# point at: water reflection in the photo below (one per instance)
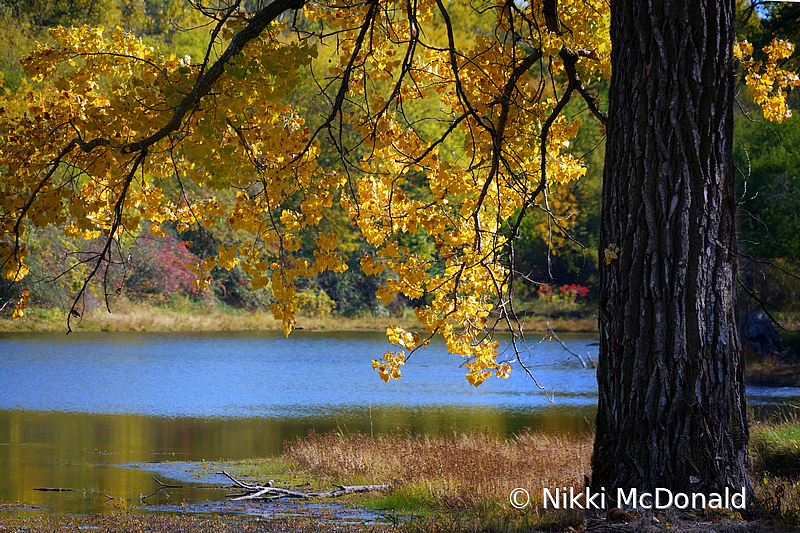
(83, 451)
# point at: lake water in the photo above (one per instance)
(94, 412)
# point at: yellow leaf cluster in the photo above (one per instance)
(767, 81)
(389, 365)
(22, 303)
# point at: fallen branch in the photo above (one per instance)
(160, 490)
(256, 492)
(165, 486)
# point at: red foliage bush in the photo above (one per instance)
(574, 291)
(160, 266)
(566, 293)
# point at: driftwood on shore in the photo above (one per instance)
(254, 491)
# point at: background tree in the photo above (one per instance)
(769, 213)
(170, 23)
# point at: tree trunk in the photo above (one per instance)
(671, 410)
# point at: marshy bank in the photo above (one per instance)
(444, 482)
(468, 477)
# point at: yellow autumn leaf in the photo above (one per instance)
(611, 253)
(22, 303)
(228, 256)
(327, 241)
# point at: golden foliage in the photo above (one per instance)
(767, 81)
(108, 121)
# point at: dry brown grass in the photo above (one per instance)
(779, 498)
(128, 316)
(143, 318)
(197, 316)
(460, 471)
(538, 324)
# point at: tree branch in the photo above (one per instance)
(207, 81)
(257, 492)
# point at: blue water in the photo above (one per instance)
(263, 374)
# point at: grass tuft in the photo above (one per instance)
(775, 454)
(444, 481)
(457, 471)
(775, 446)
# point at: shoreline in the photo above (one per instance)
(142, 317)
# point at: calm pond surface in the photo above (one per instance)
(97, 412)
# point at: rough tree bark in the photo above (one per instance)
(671, 409)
